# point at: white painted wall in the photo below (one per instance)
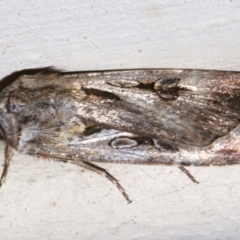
(49, 200)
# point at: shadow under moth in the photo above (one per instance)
(149, 116)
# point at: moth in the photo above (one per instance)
(148, 116)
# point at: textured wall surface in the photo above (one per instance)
(49, 200)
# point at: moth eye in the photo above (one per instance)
(123, 142)
(167, 88)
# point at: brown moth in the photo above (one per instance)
(150, 116)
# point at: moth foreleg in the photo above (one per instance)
(104, 173)
(188, 174)
(7, 159)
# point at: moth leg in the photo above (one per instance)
(188, 174)
(7, 159)
(104, 173)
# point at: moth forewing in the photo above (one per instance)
(150, 116)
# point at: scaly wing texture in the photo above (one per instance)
(123, 115)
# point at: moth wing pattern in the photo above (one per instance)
(151, 116)
(83, 104)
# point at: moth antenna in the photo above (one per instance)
(183, 169)
(7, 159)
(104, 173)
